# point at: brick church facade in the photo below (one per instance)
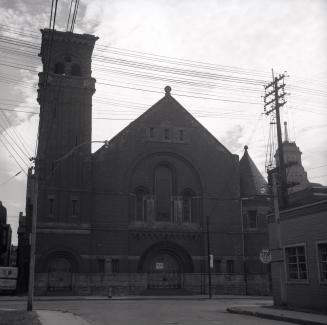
(132, 216)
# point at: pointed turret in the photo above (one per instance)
(252, 182)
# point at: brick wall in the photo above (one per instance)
(98, 284)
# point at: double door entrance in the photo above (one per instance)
(164, 272)
(60, 275)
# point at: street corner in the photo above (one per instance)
(55, 317)
(284, 315)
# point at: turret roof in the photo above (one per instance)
(252, 183)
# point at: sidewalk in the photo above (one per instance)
(270, 312)
(49, 317)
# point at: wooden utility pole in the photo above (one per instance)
(274, 99)
(279, 249)
(32, 243)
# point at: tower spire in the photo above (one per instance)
(286, 132)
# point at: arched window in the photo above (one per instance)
(76, 70)
(59, 68)
(163, 192)
(188, 205)
(140, 204)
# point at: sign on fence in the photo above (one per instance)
(265, 256)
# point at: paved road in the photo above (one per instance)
(153, 312)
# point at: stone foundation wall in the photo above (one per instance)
(221, 284)
(98, 284)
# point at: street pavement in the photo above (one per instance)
(147, 311)
(144, 310)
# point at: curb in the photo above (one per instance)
(122, 298)
(235, 310)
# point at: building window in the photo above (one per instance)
(166, 134)
(230, 266)
(296, 263)
(141, 205)
(187, 206)
(115, 265)
(252, 219)
(76, 70)
(101, 265)
(52, 168)
(163, 191)
(181, 135)
(59, 68)
(217, 266)
(151, 132)
(322, 259)
(51, 206)
(74, 208)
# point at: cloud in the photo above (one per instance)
(232, 138)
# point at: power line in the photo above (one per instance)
(23, 147)
(11, 155)
(10, 178)
(317, 167)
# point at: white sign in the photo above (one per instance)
(159, 266)
(211, 261)
(8, 272)
(265, 256)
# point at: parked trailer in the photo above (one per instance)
(8, 279)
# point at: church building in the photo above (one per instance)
(137, 214)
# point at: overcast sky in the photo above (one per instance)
(239, 39)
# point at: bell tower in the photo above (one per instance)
(66, 87)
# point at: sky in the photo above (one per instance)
(215, 54)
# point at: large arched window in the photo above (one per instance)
(163, 192)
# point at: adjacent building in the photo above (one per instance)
(298, 239)
(299, 266)
(5, 237)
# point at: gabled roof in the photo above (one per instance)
(168, 108)
(252, 183)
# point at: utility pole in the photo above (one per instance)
(279, 249)
(274, 99)
(209, 258)
(32, 242)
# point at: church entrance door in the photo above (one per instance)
(60, 275)
(164, 272)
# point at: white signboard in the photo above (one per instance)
(211, 261)
(8, 272)
(265, 256)
(159, 266)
